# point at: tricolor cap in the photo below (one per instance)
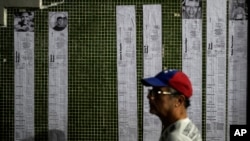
(173, 78)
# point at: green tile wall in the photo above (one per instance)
(92, 108)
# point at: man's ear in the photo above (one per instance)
(180, 100)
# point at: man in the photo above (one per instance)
(60, 23)
(26, 23)
(169, 99)
(191, 9)
(238, 10)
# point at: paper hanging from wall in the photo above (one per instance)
(237, 63)
(24, 75)
(216, 71)
(152, 64)
(58, 75)
(192, 56)
(126, 73)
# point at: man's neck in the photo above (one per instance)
(170, 119)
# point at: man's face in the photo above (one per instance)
(191, 7)
(60, 22)
(160, 104)
(25, 18)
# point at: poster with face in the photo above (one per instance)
(58, 21)
(24, 22)
(58, 76)
(192, 54)
(191, 9)
(24, 75)
(237, 63)
(238, 9)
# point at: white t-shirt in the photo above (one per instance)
(181, 130)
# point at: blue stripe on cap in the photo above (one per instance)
(152, 81)
(166, 75)
(160, 80)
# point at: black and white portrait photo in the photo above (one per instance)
(191, 9)
(24, 22)
(238, 10)
(58, 22)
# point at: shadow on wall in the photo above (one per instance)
(54, 135)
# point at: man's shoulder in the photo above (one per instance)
(185, 130)
(177, 137)
(181, 137)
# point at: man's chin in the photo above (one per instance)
(153, 111)
(191, 16)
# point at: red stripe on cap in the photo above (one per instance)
(182, 84)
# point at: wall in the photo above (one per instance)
(92, 109)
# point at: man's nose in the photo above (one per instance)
(192, 9)
(150, 97)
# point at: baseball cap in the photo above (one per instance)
(173, 78)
